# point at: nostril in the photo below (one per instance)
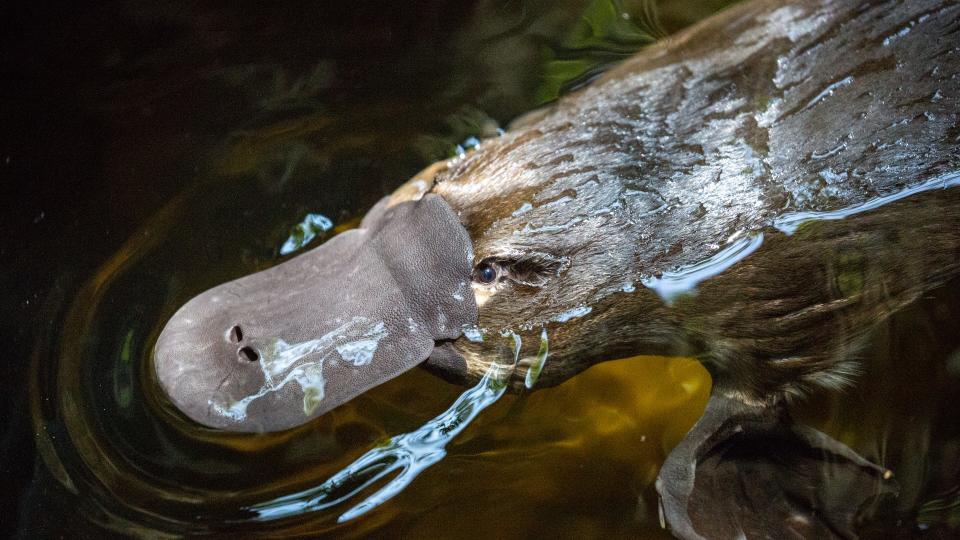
(249, 354)
(235, 334)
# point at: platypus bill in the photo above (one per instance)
(759, 191)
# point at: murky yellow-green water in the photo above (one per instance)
(179, 146)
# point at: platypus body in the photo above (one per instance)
(757, 191)
(765, 112)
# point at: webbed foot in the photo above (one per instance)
(748, 471)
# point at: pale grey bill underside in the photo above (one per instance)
(275, 349)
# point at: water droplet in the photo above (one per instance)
(574, 313)
(671, 285)
(536, 367)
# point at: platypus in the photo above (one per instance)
(758, 192)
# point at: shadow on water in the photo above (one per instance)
(165, 149)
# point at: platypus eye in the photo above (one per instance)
(527, 269)
(486, 272)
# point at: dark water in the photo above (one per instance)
(152, 151)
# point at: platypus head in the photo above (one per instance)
(274, 349)
(533, 235)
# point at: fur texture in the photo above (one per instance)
(760, 112)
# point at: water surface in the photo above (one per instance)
(157, 150)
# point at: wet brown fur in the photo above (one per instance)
(761, 111)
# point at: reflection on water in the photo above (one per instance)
(214, 147)
(682, 281)
(410, 453)
(789, 224)
(540, 360)
(305, 231)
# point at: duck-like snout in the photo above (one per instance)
(275, 349)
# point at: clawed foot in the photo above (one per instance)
(751, 472)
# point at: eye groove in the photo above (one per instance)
(532, 269)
